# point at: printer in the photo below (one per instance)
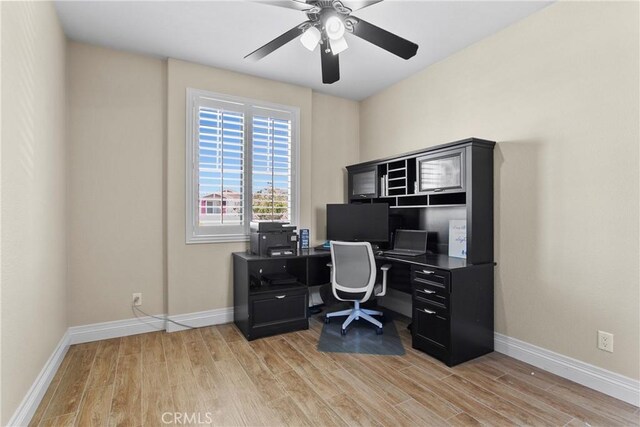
(272, 239)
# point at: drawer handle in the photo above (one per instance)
(428, 271)
(427, 291)
(429, 311)
(280, 296)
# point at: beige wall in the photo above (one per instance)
(335, 145)
(115, 201)
(33, 180)
(559, 93)
(117, 106)
(199, 275)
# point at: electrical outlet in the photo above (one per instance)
(137, 299)
(605, 341)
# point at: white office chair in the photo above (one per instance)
(353, 278)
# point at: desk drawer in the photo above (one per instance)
(430, 293)
(432, 276)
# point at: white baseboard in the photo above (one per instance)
(141, 325)
(602, 380)
(115, 329)
(23, 414)
(201, 318)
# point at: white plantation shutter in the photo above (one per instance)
(241, 162)
(220, 167)
(272, 166)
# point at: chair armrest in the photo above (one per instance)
(385, 269)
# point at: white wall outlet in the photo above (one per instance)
(137, 298)
(605, 341)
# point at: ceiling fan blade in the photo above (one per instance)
(384, 39)
(289, 4)
(276, 43)
(330, 65)
(359, 4)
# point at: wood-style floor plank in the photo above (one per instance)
(559, 403)
(95, 407)
(66, 420)
(230, 333)
(258, 373)
(130, 345)
(351, 411)
(205, 372)
(68, 395)
(156, 393)
(224, 411)
(214, 376)
(104, 366)
(314, 407)
(463, 420)
(419, 415)
(504, 407)
(383, 412)
(534, 406)
(126, 404)
(271, 359)
(152, 349)
(216, 344)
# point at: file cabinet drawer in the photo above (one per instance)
(277, 308)
(430, 329)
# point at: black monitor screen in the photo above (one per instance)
(358, 222)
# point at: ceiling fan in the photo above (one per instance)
(327, 23)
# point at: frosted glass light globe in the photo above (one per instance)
(334, 28)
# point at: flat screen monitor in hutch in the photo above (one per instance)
(358, 222)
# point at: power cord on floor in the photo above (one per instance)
(134, 308)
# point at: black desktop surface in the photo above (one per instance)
(429, 260)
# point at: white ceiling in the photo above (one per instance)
(221, 33)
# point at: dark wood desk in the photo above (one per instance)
(452, 300)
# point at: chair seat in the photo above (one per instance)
(377, 289)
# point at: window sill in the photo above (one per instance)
(223, 238)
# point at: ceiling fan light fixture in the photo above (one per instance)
(334, 27)
(310, 38)
(338, 46)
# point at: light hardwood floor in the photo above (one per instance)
(215, 376)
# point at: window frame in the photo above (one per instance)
(195, 233)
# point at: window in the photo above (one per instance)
(241, 165)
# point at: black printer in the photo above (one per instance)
(273, 239)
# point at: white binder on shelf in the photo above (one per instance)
(458, 238)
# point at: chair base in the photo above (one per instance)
(356, 313)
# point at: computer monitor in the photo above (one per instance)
(358, 222)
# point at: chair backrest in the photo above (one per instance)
(354, 270)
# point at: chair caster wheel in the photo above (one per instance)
(379, 331)
(343, 332)
(327, 319)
